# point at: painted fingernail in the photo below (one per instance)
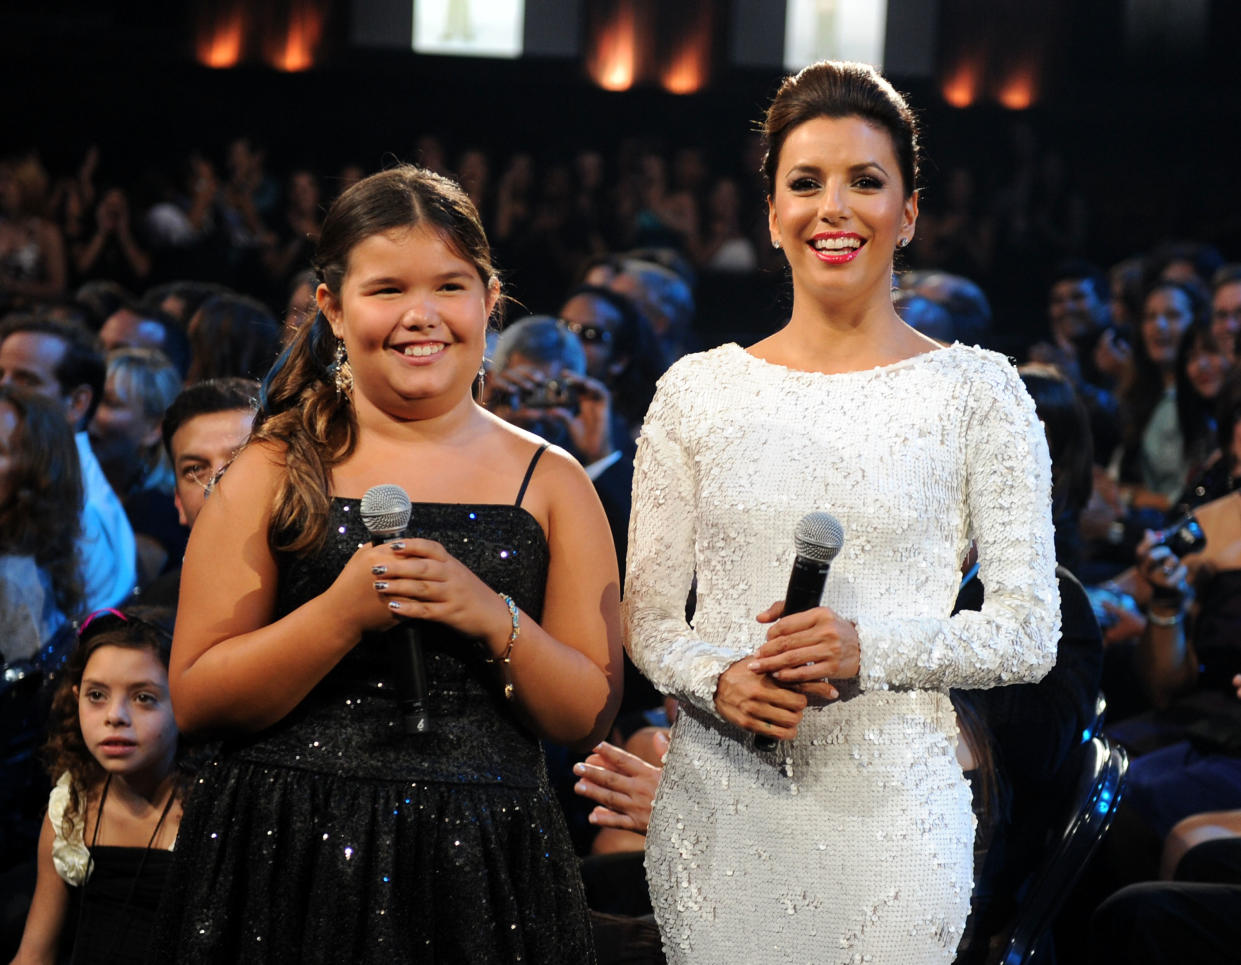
(753, 666)
(378, 570)
(394, 604)
(397, 546)
(579, 768)
(381, 584)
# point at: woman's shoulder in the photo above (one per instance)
(989, 376)
(706, 363)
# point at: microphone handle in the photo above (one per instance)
(805, 592)
(411, 672)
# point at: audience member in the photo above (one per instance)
(1226, 307)
(32, 248)
(64, 363)
(125, 435)
(135, 326)
(202, 431)
(232, 335)
(40, 505)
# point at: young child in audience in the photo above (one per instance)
(113, 815)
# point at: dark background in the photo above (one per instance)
(1144, 112)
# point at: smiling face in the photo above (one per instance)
(1165, 316)
(126, 714)
(839, 207)
(413, 315)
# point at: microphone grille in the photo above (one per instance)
(385, 509)
(818, 537)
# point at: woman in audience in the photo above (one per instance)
(40, 501)
(1156, 466)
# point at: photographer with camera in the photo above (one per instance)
(537, 380)
(1176, 678)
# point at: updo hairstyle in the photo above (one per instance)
(841, 89)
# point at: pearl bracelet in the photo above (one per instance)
(507, 657)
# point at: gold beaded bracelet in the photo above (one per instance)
(507, 657)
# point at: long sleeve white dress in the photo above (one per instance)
(853, 842)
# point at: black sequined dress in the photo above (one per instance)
(334, 837)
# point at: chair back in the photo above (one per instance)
(1100, 785)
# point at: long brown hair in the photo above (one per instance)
(301, 410)
(40, 517)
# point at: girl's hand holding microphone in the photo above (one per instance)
(418, 579)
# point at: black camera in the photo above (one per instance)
(1183, 537)
(550, 394)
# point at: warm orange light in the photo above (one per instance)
(686, 71)
(614, 62)
(219, 43)
(1018, 92)
(302, 37)
(961, 89)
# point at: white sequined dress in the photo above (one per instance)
(852, 843)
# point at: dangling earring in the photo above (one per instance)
(339, 370)
(482, 381)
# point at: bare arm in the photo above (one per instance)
(567, 672)
(232, 667)
(48, 907)
(1165, 657)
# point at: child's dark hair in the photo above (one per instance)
(137, 628)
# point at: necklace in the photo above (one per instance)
(103, 797)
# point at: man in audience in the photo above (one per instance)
(64, 362)
(203, 429)
(131, 326)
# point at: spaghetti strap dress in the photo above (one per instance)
(333, 836)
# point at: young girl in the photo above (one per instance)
(323, 832)
(113, 815)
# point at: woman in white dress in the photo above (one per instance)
(852, 841)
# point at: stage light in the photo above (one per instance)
(613, 62)
(1018, 92)
(296, 50)
(219, 40)
(961, 89)
(686, 70)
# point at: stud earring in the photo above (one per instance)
(776, 245)
(339, 370)
(902, 243)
